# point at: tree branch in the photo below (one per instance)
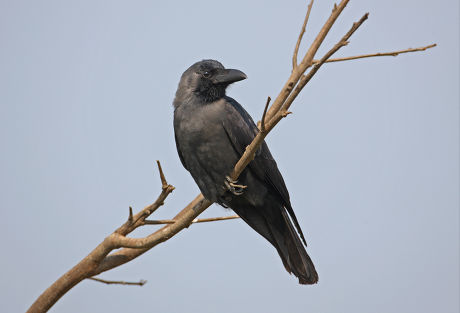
(197, 220)
(299, 40)
(182, 220)
(306, 61)
(119, 282)
(379, 54)
(261, 125)
(93, 260)
(137, 220)
(306, 78)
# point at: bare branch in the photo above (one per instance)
(138, 219)
(213, 219)
(121, 241)
(85, 268)
(262, 121)
(197, 220)
(158, 222)
(119, 282)
(379, 54)
(130, 216)
(306, 61)
(302, 32)
(164, 183)
(183, 220)
(306, 78)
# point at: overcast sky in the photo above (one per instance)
(370, 155)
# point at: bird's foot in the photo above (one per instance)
(232, 186)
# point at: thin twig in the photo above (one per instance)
(164, 183)
(130, 217)
(197, 220)
(299, 40)
(213, 219)
(158, 222)
(262, 121)
(119, 282)
(379, 54)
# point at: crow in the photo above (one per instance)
(212, 131)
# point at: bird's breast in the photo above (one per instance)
(202, 137)
(201, 124)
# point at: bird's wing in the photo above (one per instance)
(181, 157)
(241, 130)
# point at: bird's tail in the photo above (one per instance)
(274, 224)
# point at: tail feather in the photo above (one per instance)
(274, 224)
(301, 264)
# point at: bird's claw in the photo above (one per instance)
(232, 186)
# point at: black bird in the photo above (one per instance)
(212, 131)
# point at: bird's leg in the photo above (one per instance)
(232, 186)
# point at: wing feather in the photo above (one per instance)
(263, 165)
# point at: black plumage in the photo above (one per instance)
(212, 131)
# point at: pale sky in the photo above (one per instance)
(370, 155)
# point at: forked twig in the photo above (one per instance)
(305, 63)
(302, 32)
(306, 78)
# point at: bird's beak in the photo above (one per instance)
(228, 76)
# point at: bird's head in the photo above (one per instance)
(207, 80)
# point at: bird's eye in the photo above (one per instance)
(206, 74)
